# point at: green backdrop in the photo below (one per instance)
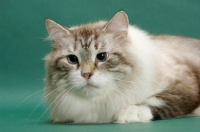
(22, 47)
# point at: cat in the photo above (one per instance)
(114, 72)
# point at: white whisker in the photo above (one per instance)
(117, 90)
(27, 98)
(68, 90)
(49, 106)
(127, 87)
(41, 102)
(123, 80)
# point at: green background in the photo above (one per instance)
(22, 47)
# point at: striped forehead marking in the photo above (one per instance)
(85, 38)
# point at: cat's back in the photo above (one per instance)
(178, 61)
(176, 42)
(178, 58)
(177, 47)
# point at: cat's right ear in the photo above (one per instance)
(55, 30)
(118, 24)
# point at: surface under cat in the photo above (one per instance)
(115, 72)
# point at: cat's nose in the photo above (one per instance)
(87, 75)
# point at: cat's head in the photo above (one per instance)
(91, 59)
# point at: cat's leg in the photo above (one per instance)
(139, 113)
(134, 113)
(174, 104)
(168, 104)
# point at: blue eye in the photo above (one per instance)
(102, 56)
(72, 59)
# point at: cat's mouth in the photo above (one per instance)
(89, 86)
(89, 90)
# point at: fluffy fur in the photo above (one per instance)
(143, 78)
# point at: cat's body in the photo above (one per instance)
(114, 72)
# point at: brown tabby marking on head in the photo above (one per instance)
(84, 39)
(86, 34)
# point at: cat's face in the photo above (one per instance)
(88, 60)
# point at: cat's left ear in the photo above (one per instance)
(118, 24)
(55, 30)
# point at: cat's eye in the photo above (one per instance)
(102, 56)
(72, 59)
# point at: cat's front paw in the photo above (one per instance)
(134, 113)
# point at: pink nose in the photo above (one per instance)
(87, 75)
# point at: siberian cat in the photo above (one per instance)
(114, 72)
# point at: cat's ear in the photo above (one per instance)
(55, 30)
(118, 24)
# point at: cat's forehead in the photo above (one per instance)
(87, 36)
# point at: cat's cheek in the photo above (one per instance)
(100, 80)
(80, 83)
(77, 80)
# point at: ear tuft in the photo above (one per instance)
(55, 30)
(118, 24)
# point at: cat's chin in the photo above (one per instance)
(89, 90)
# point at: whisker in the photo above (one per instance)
(41, 102)
(49, 107)
(44, 99)
(123, 80)
(125, 86)
(120, 93)
(27, 98)
(68, 90)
